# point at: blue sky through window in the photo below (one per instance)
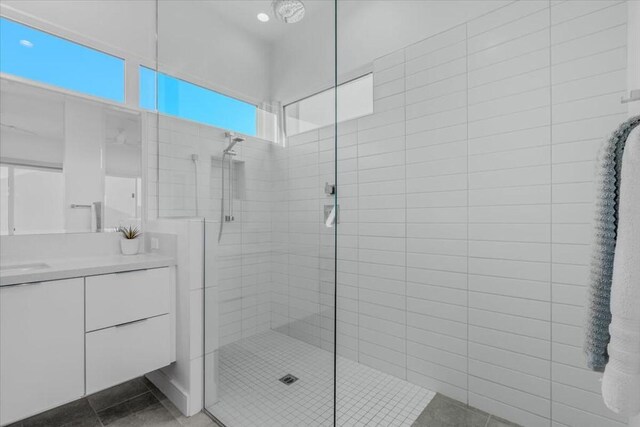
(39, 56)
(189, 101)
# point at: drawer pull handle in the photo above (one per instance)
(130, 323)
(15, 285)
(130, 271)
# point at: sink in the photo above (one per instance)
(23, 268)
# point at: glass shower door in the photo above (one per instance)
(261, 187)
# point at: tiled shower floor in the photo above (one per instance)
(251, 395)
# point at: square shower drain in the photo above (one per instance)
(288, 379)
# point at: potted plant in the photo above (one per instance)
(130, 243)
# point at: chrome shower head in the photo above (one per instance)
(233, 140)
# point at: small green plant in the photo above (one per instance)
(130, 232)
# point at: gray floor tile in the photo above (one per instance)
(198, 420)
(500, 422)
(78, 413)
(127, 408)
(87, 422)
(153, 389)
(153, 416)
(118, 394)
(446, 412)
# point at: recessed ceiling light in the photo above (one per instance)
(263, 17)
(26, 43)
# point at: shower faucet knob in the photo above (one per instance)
(329, 189)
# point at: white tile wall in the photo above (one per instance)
(466, 209)
(592, 35)
(242, 258)
(465, 213)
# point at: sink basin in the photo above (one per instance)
(23, 268)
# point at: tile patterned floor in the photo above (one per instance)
(251, 395)
(137, 403)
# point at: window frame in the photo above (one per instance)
(333, 88)
(199, 86)
(80, 41)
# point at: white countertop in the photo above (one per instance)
(57, 269)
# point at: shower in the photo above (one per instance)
(233, 140)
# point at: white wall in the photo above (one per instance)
(195, 43)
(633, 80)
(466, 209)
(633, 74)
(366, 30)
(83, 162)
(182, 382)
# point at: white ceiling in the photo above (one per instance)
(243, 15)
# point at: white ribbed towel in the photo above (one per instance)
(621, 380)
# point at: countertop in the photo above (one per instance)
(57, 269)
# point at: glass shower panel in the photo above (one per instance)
(224, 157)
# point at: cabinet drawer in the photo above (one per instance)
(120, 353)
(118, 298)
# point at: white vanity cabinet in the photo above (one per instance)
(128, 325)
(41, 346)
(63, 339)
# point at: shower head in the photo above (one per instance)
(288, 11)
(233, 140)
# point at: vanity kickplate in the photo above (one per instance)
(288, 379)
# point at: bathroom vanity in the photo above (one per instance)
(74, 327)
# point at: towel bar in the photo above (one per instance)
(634, 95)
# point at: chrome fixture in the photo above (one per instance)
(330, 215)
(634, 95)
(289, 11)
(96, 214)
(329, 189)
(195, 158)
(228, 217)
(233, 140)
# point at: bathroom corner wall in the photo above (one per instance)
(463, 246)
(633, 49)
(237, 275)
(182, 382)
(243, 255)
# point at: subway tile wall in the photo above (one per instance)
(463, 243)
(242, 257)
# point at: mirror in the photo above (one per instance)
(67, 163)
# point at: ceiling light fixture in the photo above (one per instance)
(263, 17)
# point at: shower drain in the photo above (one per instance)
(288, 379)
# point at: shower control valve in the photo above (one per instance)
(329, 189)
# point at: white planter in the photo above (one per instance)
(129, 246)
